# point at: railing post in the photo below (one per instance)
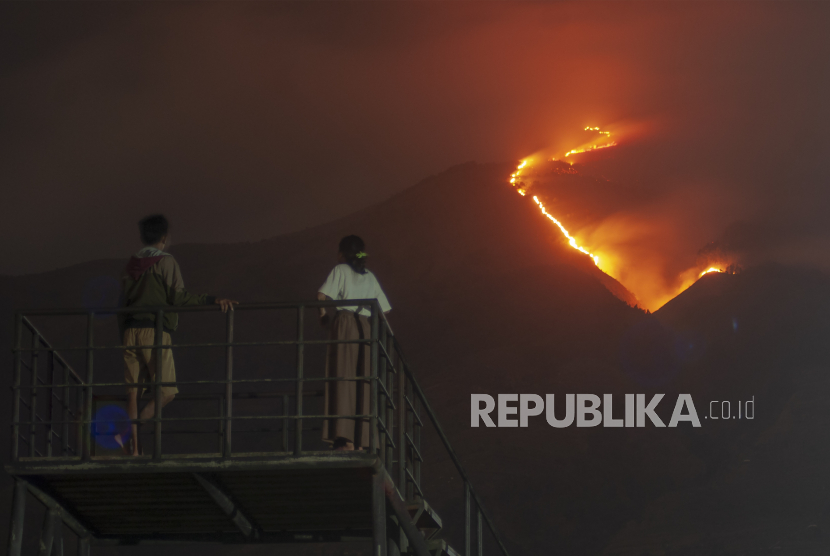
(286, 423)
(87, 407)
(18, 364)
(33, 395)
(65, 412)
(373, 387)
(416, 439)
(158, 340)
(221, 435)
(50, 377)
(468, 550)
(227, 448)
(390, 412)
(298, 427)
(381, 407)
(402, 431)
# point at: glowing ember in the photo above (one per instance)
(712, 269)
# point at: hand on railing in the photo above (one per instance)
(226, 304)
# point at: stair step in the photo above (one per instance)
(425, 518)
(439, 547)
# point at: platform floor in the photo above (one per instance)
(313, 497)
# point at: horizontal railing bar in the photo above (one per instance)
(310, 304)
(149, 385)
(217, 418)
(217, 396)
(201, 345)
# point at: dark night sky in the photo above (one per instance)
(242, 121)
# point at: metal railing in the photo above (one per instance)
(398, 412)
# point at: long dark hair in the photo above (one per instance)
(351, 247)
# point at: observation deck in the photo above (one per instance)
(238, 456)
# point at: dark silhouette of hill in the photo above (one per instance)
(761, 334)
(487, 298)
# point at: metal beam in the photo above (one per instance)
(231, 510)
(66, 517)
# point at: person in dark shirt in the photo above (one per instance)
(152, 278)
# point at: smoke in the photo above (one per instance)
(243, 121)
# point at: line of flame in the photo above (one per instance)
(711, 269)
(571, 239)
(594, 148)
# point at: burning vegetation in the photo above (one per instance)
(538, 172)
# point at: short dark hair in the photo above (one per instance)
(152, 228)
(350, 247)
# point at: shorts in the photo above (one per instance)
(140, 363)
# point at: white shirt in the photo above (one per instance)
(344, 283)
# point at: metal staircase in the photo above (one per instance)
(251, 468)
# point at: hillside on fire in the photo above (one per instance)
(488, 297)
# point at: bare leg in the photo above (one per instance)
(149, 412)
(132, 413)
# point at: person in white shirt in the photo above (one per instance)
(350, 279)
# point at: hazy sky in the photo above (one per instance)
(242, 121)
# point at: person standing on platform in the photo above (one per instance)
(152, 278)
(350, 279)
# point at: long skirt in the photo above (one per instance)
(346, 397)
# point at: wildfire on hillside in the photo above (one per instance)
(523, 179)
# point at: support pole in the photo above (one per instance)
(468, 549)
(47, 534)
(480, 541)
(58, 546)
(378, 515)
(83, 546)
(18, 513)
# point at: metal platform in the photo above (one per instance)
(216, 493)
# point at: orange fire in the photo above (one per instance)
(571, 239)
(684, 280)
